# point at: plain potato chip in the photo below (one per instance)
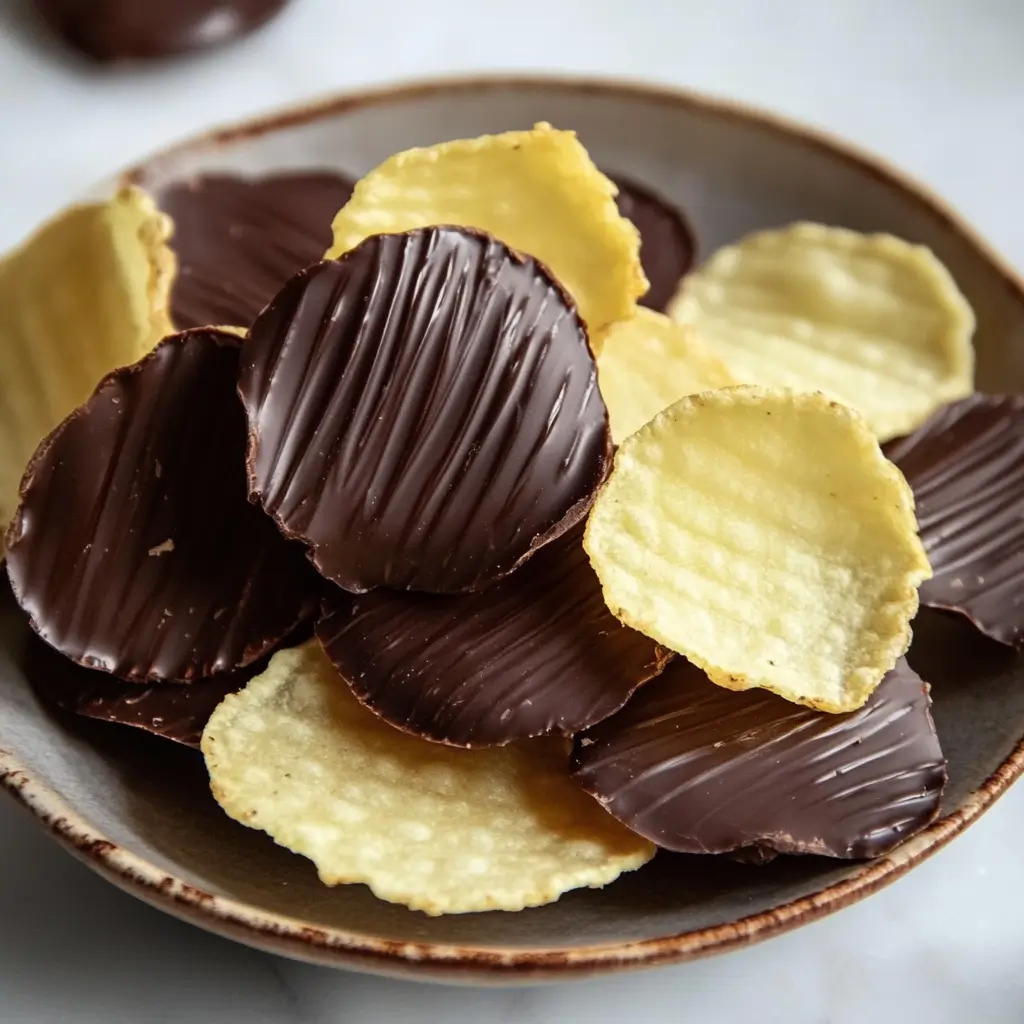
(537, 191)
(763, 534)
(86, 294)
(870, 320)
(646, 363)
(436, 828)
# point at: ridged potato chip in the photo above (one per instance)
(646, 363)
(763, 534)
(86, 294)
(870, 320)
(439, 829)
(537, 191)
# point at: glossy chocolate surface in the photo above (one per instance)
(423, 412)
(239, 240)
(534, 654)
(135, 549)
(700, 769)
(966, 469)
(170, 710)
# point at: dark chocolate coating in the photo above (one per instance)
(116, 30)
(537, 653)
(135, 549)
(169, 710)
(966, 469)
(701, 769)
(239, 240)
(667, 244)
(423, 412)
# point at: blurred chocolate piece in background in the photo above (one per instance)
(117, 30)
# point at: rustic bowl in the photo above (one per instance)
(139, 812)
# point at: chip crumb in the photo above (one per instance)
(163, 548)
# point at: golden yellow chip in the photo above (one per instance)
(86, 294)
(646, 363)
(870, 320)
(436, 828)
(763, 534)
(537, 191)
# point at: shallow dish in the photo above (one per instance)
(139, 812)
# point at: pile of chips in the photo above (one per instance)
(558, 569)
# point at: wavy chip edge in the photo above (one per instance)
(914, 261)
(577, 192)
(891, 621)
(300, 693)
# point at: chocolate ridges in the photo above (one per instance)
(966, 469)
(667, 244)
(239, 240)
(424, 412)
(169, 710)
(135, 549)
(537, 653)
(115, 30)
(700, 769)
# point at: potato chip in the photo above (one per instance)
(870, 320)
(439, 829)
(86, 294)
(763, 534)
(646, 363)
(537, 191)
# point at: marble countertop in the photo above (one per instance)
(937, 86)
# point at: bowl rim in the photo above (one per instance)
(337, 946)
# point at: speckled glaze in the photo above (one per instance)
(139, 812)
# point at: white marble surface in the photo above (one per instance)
(938, 86)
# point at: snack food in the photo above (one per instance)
(870, 320)
(667, 243)
(134, 548)
(238, 240)
(171, 711)
(966, 469)
(647, 363)
(537, 191)
(116, 30)
(440, 830)
(763, 534)
(86, 293)
(536, 653)
(698, 769)
(423, 412)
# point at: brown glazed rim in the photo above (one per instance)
(337, 947)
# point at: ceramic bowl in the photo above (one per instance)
(138, 810)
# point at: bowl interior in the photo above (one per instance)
(731, 174)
